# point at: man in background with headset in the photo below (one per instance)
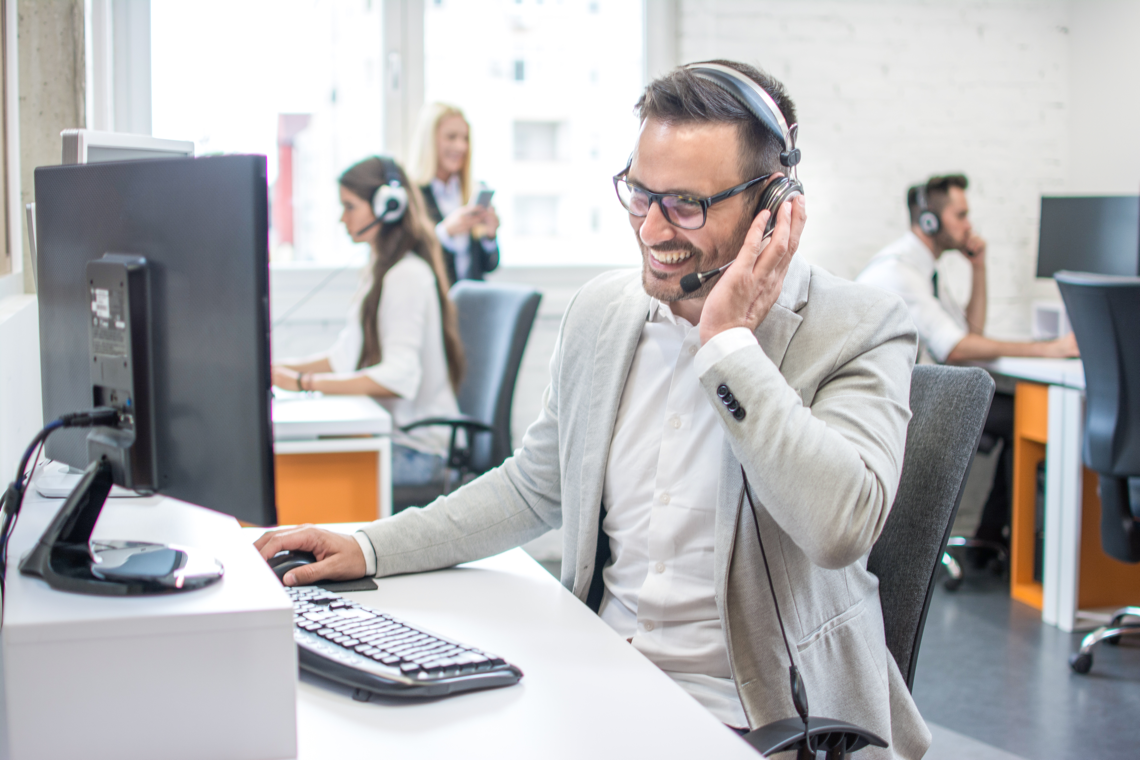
(949, 333)
(665, 390)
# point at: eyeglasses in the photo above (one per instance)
(682, 211)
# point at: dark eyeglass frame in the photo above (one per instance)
(659, 197)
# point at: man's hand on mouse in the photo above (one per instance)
(338, 556)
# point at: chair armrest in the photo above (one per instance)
(470, 424)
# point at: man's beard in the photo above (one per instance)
(655, 283)
(946, 242)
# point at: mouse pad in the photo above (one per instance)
(339, 587)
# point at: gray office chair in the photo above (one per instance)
(1104, 311)
(948, 407)
(494, 324)
(948, 411)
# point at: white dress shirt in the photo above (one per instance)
(906, 267)
(449, 197)
(413, 364)
(660, 495)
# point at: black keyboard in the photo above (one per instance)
(377, 654)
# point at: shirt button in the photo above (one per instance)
(692, 350)
(660, 567)
(649, 625)
(675, 422)
(664, 498)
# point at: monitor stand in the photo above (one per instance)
(69, 560)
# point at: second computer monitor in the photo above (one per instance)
(1098, 234)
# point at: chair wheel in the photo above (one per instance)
(996, 567)
(1080, 663)
(951, 583)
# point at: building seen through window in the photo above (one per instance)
(549, 88)
(297, 80)
(547, 85)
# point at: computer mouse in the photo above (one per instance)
(283, 562)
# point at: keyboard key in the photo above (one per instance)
(408, 668)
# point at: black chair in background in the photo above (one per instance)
(494, 324)
(1104, 311)
(948, 411)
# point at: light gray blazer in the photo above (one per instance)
(826, 395)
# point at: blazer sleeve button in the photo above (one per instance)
(722, 390)
(728, 399)
(738, 414)
(733, 406)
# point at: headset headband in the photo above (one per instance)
(758, 102)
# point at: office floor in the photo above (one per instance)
(990, 670)
(994, 683)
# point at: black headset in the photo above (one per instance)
(928, 221)
(761, 105)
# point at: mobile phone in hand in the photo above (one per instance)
(483, 200)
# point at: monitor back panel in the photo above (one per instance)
(202, 225)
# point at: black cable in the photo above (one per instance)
(799, 691)
(13, 499)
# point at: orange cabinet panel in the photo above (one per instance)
(327, 487)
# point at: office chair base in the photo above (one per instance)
(956, 572)
(836, 737)
(1081, 661)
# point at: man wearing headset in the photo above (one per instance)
(663, 395)
(949, 333)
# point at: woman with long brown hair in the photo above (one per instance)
(401, 342)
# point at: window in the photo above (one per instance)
(536, 140)
(296, 80)
(549, 89)
(536, 215)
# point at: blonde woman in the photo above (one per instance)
(465, 230)
(401, 344)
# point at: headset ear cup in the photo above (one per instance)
(929, 222)
(389, 203)
(776, 194)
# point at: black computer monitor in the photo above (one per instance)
(200, 228)
(1099, 234)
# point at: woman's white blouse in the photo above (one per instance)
(413, 364)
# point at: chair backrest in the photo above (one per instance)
(494, 324)
(948, 411)
(1104, 311)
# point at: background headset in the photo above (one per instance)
(928, 221)
(390, 200)
(761, 105)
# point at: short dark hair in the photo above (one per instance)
(682, 97)
(937, 194)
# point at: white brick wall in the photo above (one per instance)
(891, 92)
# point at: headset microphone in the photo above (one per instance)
(393, 205)
(695, 280)
(367, 227)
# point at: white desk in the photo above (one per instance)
(201, 674)
(585, 693)
(1063, 479)
(308, 423)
